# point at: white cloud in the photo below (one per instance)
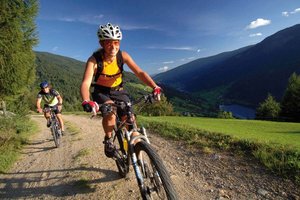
(173, 48)
(87, 19)
(168, 62)
(98, 19)
(255, 34)
(67, 19)
(180, 48)
(136, 27)
(297, 10)
(285, 14)
(257, 23)
(163, 69)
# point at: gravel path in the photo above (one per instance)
(80, 170)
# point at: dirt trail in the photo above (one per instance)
(80, 170)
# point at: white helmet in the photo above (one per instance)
(109, 32)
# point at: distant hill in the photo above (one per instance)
(65, 74)
(243, 76)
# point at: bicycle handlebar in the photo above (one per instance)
(148, 98)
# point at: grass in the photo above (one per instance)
(81, 153)
(73, 130)
(14, 132)
(274, 144)
(280, 133)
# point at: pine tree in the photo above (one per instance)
(290, 104)
(17, 59)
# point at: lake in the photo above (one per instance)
(239, 111)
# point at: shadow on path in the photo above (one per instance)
(33, 186)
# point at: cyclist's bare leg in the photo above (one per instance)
(47, 114)
(61, 122)
(135, 133)
(108, 122)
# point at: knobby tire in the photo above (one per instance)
(55, 134)
(159, 167)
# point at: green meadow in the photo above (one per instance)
(275, 144)
(281, 133)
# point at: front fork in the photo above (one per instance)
(134, 159)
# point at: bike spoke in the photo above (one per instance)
(156, 180)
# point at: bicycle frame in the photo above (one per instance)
(133, 148)
(128, 136)
(55, 127)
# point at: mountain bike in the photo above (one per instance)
(55, 128)
(133, 148)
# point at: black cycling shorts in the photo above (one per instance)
(103, 95)
(55, 108)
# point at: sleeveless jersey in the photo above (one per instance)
(111, 75)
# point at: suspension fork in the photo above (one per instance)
(134, 159)
(137, 170)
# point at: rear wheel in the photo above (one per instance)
(157, 182)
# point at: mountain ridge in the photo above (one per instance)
(245, 75)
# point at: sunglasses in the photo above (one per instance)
(111, 42)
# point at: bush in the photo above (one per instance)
(225, 115)
(161, 108)
(269, 109)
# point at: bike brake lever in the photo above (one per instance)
(149, 99)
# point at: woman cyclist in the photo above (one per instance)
(106, 65)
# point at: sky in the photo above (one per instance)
(161, 34)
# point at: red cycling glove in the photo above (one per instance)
(90, 106)
(156, 93)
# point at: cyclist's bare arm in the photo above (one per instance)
(90, 67)
(143, 76)
(60, 100)
(38, 105)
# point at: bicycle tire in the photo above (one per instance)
(121, 157)
(158, 183)
(55, 133)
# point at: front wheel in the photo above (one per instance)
(56, 133)
(157, 182)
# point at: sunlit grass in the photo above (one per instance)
(282, 133)
(14, 132)
(274, 144)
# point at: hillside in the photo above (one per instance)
(65, 74)
(243, 76)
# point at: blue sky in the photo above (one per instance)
(162, 34)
